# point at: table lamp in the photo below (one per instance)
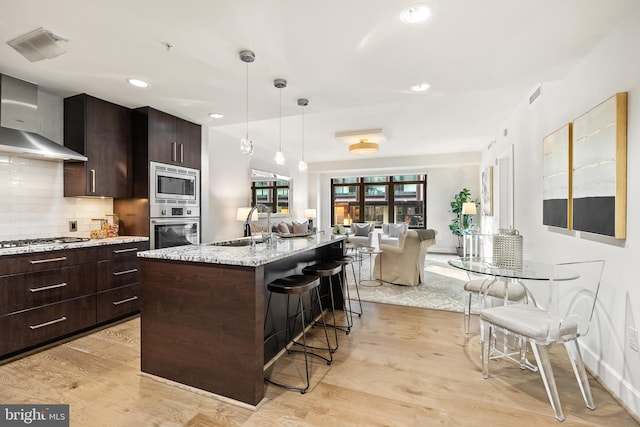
(310, 214)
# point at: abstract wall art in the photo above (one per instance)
(556, 178)
(599, 155)
(487, 191)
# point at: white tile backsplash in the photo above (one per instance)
(34, 205)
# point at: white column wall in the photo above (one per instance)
(611, 67)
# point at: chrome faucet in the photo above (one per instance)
(247, 225)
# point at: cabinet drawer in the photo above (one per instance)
(38, 261)
(118, 272)
(118, 302)
(121, 250)
(25, 291)
(37, 326)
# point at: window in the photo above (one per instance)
(273, 194)
(380, 199)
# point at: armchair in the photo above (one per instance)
(404, 264)
(361, 233)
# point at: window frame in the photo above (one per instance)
(363, 181)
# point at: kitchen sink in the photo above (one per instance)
(236, 242)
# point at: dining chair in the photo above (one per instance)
(480, 246)
(561, 314)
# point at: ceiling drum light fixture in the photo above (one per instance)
(246, 145)
(421, 87)
(416, 13)
(363, 147)
(216, 115)
(280, 84)
(302, 165)
(138, 83)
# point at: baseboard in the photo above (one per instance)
(623, 391)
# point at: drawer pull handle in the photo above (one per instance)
(125, 300)
(46, 288)
(51, 322)
(120, 273)
(41, 261)
(121, 251)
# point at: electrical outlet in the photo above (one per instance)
(73, 225)
(633, 338)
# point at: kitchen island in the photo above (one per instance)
(203, 308)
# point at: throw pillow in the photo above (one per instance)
(396, 230)
(361, 229)
(283, 228)
(300, 227)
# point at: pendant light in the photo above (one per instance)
(246, 145)
(280, 84)
(302, 165)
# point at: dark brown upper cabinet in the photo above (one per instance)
(101, 131)
(163, 138)
(170, 139)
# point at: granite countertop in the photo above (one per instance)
(61, 246)
(219, 253)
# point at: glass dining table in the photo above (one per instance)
(531, 270)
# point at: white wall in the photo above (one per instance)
(229, 185)
(611, 67)
(32, 190)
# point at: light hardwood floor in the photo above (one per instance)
(400, 366)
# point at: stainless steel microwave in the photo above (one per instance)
(173, 185)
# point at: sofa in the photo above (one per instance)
(404, 264)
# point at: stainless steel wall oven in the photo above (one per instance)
(174, 206)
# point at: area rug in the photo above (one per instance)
(442, 290)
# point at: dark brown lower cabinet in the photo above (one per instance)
(118, 302)
(43, 324)
(46, 296)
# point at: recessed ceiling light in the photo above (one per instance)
(138, 83)
(420, 87)
(417, 13)
(216, 115)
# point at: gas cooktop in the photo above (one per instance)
(41, 241)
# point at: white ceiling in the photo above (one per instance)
(353, 59)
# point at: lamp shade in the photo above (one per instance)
(469, 208)
(309, 213)
(363, 147)
(242, 213)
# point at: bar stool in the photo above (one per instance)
(328, 269)
(344, 261)
(297, 284)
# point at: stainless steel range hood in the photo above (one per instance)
(19, 123)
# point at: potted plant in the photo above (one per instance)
(462, 222)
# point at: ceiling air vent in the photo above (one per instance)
(37, 45)
(535, 95)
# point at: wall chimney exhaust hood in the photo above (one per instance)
(19, 123)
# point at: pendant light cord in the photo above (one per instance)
(280, 119)
(247, 135)
(303, 133)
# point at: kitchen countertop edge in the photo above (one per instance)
(209, 253)
(62, 246)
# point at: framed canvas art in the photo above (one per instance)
(556, 178)
(487, 191)
(599, 182)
